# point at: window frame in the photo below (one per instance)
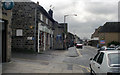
(47, 21)
(41, 17)
(99, 57)
(96, 56)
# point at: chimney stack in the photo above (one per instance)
(50, 12)
(37, 2)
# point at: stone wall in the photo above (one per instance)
(23, 18)
(58, 43)
(6, 15)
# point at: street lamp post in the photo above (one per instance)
(64, 45)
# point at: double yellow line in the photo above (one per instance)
(85, 68)
(78, 51)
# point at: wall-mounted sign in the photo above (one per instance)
(30, 38)
(8, 4)
(102, 41)
(59, 37)
(44, 29)
(19, 32)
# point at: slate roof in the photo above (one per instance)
(110, 27)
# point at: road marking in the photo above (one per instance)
(78, 52)
(85, 68)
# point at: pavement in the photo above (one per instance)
(49, 62)
(0, 68)
(52, 61)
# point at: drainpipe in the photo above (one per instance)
(35, 33)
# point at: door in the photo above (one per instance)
(99, 63)
(4, 51)
(0, 41)
(94, 62)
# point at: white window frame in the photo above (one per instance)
(46, 21)
(41, 17)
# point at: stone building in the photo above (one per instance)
(109, 32)
(64, 28)
(95, 37)
(5, 33)
(71, 39)
(32, 27)
(58, 36)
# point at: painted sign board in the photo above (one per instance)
(102, 41)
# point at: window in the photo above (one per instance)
(41, 17)
(100, 58)
(19, 32)
(95, 58)
(114, 58)
(46, 21)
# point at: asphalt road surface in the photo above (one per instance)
(52, 61)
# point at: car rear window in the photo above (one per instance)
(114, 59)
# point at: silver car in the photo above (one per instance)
(107, 62)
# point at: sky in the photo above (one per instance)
(90, 14)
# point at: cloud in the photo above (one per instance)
(101, 8)
(91, 14)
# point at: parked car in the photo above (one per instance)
(112, 46)
(79, 46)
(104, 48)
(118, 48)
(107, 62)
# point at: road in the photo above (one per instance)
(53, 61)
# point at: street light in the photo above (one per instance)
(68, 15)
(64, 26)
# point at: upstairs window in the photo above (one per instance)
(46, 21)
(41, 17)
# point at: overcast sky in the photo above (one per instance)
(90, 13)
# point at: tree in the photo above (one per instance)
(114, 42)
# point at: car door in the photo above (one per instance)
(94, 62)
(99, 63)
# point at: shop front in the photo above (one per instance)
(44, 38)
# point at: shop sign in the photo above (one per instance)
(102, 41)
(8, 4)
(29, 38)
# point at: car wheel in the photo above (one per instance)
(91, 72)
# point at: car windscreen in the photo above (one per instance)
(114, 59)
